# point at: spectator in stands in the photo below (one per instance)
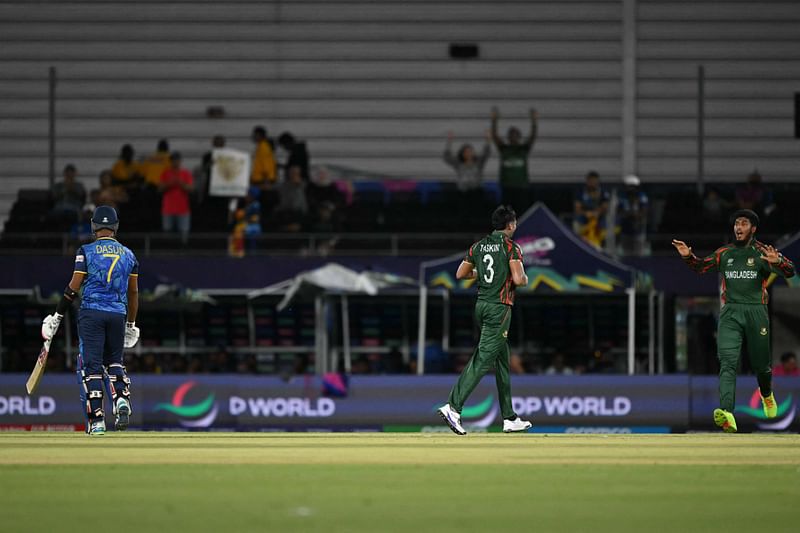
(322, 190)
(755, 195)
(715, 209)
(236, 241)
(176, 184)
(558, 366)
(108, 193)
(81, 231)
(632, 217)
(68, 196)
(252, 217)
(126, 171)
(293, 206)
(263, 172)
(467, 164)
(514, 180)
(155, 164)
(296, 155)
(788, 366)
(204, 173)
(591, 206)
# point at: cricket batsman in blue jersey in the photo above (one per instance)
(108, 272)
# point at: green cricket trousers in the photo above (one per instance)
(492, 350)
(740, 323)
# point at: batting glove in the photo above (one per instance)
(50, 326)
(131, 334)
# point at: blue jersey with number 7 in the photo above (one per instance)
(107, 265)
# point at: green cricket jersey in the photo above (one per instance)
(743, 274)
(514, 164)
(490, 256)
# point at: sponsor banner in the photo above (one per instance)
(622, 430)
(229, 402)
(41, 427)
(748, 411)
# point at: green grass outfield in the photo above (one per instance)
(223, 482)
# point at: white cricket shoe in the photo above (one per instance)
(123, 412)
(97, 428)
(452, 419)
(518, 424)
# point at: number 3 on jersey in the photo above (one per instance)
(114, 260)
(489, 275)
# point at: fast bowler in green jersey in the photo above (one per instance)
(745, 268)
(495, 262)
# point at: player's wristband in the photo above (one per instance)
(130, 324)
(66, 300)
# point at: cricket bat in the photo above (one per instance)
(38, 370)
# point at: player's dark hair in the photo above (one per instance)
(260, 131)
(592, 174)
(786, 357)
(745, 213)
(163, 146)
(502, 216)
(286, 140)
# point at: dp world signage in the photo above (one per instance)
(253, 403)
(553, 403)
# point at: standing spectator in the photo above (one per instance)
(754, 195)
(68, 196)
(469, 169)
(176, 184)
(297, 155)
(264, 172)
(156, 163)
(590, 210)
(514, 180)
(632, 216)
(715, 208)
(126, 171)
(788, 366)
(207, 163)
(293, 206)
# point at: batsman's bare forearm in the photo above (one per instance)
(133, 298)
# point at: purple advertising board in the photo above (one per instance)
(401, 403)
(605, 404)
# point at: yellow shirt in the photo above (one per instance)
(264, 167)
(155, 165)
(122, 171)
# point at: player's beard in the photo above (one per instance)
(745, 240)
